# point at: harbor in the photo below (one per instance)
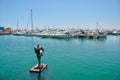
(63, 33)
(59, 39)
(60, 33)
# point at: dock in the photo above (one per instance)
(36, 69)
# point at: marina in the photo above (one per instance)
(63, 33)
(59, 39)
(60, 33)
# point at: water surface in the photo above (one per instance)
(67, 59)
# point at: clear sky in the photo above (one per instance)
(61, 13)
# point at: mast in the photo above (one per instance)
(17, 24)
(31, 20)
(97, 24)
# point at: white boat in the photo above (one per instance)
(55, 35)
(19, 33)
(115, 32)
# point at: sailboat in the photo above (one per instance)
(31, 32)
(19, 32)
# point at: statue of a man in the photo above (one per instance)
(39, 52)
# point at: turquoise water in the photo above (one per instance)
(67, 59)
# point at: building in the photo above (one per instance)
(2, 28)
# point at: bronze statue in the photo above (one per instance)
(39, 52)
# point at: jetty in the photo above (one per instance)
(36, 69)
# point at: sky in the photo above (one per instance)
(60, 14)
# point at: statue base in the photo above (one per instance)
(38, 69)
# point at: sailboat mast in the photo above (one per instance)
(31, 20)
(17, 24)
(97, 24)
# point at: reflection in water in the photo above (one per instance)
(72, 39)
(39, 76)
(100, 40)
